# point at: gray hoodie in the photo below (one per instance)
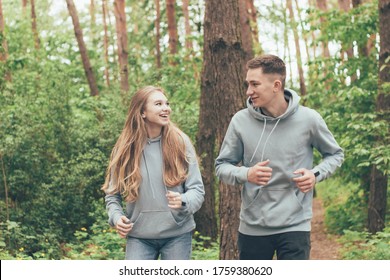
(288, 142)
(152, 217)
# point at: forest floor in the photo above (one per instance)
(324, 246)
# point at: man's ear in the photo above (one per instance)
(278, 85)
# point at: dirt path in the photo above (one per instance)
(323, 245)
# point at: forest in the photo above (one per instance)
(69, 68)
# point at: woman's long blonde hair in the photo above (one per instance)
(123, 174)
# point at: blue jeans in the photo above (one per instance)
(173, 248)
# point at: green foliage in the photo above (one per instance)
(345, 205)
(366, 246)
(98, 242)
(200, 252)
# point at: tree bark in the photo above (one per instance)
(188, 40)
(83, 50)
(302, 85)
(105, 43)
(321, 4)
(121, 31)
(93, 20)
(172, 27)
(37, 42)
(345, 5)
(379, 180)
(253, 15)
(158, 36)
(4, 44)
(222, 95)
(246, 33)
(24, 6)
(304, 36)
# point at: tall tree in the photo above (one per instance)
(172, 26)
(253, 16)
(302, 85)
(222, 95)
(379, 180)
(321, 4)
(105, 43)
(188, 40)
(345, 6)
(37, 42)
(121, 31)
(24, 6)
(92, 14)
(157, 27)
(304, 34)
(4, 44)
(246, 33)
(83, 50)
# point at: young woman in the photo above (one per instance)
(154, 169)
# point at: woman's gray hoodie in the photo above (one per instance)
(152, 217)
(288, 142)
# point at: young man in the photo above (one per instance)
(268, 148)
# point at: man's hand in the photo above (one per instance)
(307, 181)
(260, 173)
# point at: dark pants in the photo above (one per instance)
(293, 245)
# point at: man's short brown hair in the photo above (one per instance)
(270, 64)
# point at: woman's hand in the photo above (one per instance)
(123, 226)
(174, 200)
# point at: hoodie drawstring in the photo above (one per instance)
(266, 140)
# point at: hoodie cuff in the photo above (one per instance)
(318, 174)
(242, 174)
(115, 218)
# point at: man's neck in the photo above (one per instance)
(276, 111)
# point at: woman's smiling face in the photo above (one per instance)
(157, 111)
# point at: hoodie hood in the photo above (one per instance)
(293, 104)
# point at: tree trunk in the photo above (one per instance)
(253, 15)
(121, 31)
(4, 45)
(188, 40)
(345, 5)
(222, 95)
(93, 20)
(313, 37)
(321, 4)
(287, 50)
(158, 36)
(246, 34)
(83, 50)
(172, 27)
(105, 43)
(379, 181)
(34, 25)
(304, 36)
(302, 85)
(24, 7)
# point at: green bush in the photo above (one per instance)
(365, 246)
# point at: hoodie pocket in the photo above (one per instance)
(273, 207)
(152, 224)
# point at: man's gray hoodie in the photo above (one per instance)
(288, 142)
(152, 217)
